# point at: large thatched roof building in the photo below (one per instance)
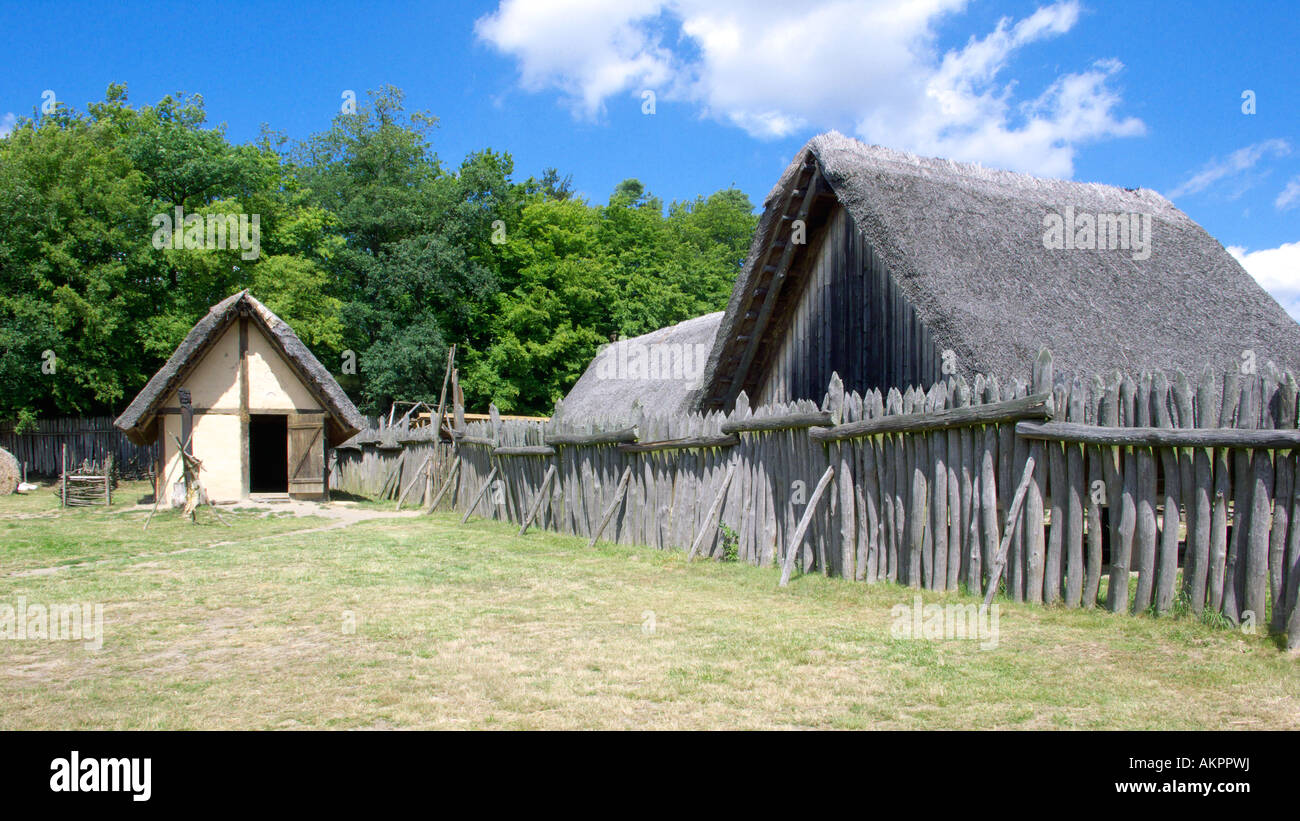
(661, 371)
(874, 263)
(264, 409)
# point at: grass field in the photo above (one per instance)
(419, 622)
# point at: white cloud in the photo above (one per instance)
(7, 124)
(774, 68)
(1290, 196)
(1277, 270)
(1233, 166)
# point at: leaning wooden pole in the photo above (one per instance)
(478, 496)
(442, 396)
(451, 476)
(707, 526)
(1013, 516)
(418, 473)
(537, 503)
(797, 539)
(613, 506)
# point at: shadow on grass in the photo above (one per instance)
(343, 496)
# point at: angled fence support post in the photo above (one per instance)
(613, 506)
(797, 539)
(537, 503)
(707, 526)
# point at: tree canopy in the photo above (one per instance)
(368, 243)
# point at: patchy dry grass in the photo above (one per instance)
(470, 627)
(36, 535)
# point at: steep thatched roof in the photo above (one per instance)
(965, 247)
(660, 370)
(139, 417)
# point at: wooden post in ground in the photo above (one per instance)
(706, 526)
(414, 479)
(442, 396)
(613, 506)
(487, 484)
(451, 476)
(796, 541)
(1013, 516)
(63, 479)
(394, 476)
(537, 503)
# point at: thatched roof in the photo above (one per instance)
(138, 420)
(965, 246)
(660, 370)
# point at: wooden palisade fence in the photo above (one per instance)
(91, 440)
(1137, 494)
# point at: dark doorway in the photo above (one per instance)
(268, 454)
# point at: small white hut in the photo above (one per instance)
(262, 411)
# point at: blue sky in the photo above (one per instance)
(1133, 93)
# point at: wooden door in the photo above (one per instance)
(307, 455)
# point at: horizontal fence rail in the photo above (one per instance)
(1142, 495)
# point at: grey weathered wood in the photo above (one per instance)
(487, 483)
(1100, 461)
(956, 513)
(1283, 501)
(1054, 563)
(1027, 407)
(393, 476)
(964, 538)
(1148, 437)
(872, 506)
(1234, 568)
(1017, 557)
(1074, 492)
(419, 472)
(1222, 488)
(711, 518)
(1013, 519)
(523, 450)
(1167, 555)
(1291, 576)
(1121, 549)
(727, 441)
(1255, 582)
(938, 478)
(613, 506)
(478, 441)
(785, 421)
(608, 437)
(918, 457)
(848, 523)
(900, 479)
(1035, 537)
(1144, 559)
(804, 522)
(988, 503)
(1196, 561)
(537, 502)
(451, 475)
